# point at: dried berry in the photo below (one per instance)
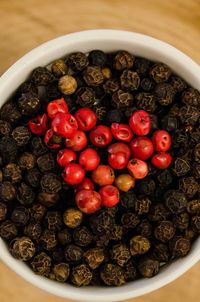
(46, 162)
(25, 194)
(72, 217)
(82, 236)
(73, 253)
(114, 116)
(193, 206)
(37, 146)
(29, 104)
(21, 135)
(139, 245)
(8, 149)
(123, 60)
(94, 257)
(148, 267)
(128, 200)
(102, 240)
(120, 254)
(50, 183)
(81, 275)
(142, 205)
(178, 84)
(181, 167)
(116, 232)
(146, 101)
(93, 76)
(181, 221)
(12, 172)
(20, 216)
(164, 231)
(48, 199)
(58, 254)
(64, 236)
(158, 212)
(67, 84)
(195, 223)
(53, 220)
(165, 94)
(112, 275)
(27, 161)
(5, 128)
(97, 57)
(130, 220)
(48, 240)
(61, 271)
(85, 97)
(8, 230)
(101, 112)
(33, 177)
(180, 246)
(197, 153)
(129, 80)
(191, 97)
(77, 61)
(122, 99)
(10, 113)
(130, 271)
(59, 68)
(7, 191)
(144, 228)
(161, 252)
(101, 222)
(107, 73)
(165, 178)
(37, 211)
(33, 230)
(188, 186)
(111, 86)
(147, 84)
(175, 201)
(22, 248)
(3, 211)
(169, 122)
(41, 264)
(160, 72)
(41, 76)
(189, 115)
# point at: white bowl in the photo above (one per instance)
(107, 40)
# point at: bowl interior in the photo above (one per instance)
(107, 40)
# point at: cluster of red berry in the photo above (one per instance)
(59, 123)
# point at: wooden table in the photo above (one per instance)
(27, 23)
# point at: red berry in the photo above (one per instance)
(103, 175)
(73, 174)
(65, 156)
(121, 132)
(86, 119)
(57, 106)
(89, 159)
(51, 139)
(120, 147)
(86, 184)
(117, 160)
(137, 168)
(88, 201)
(65, 125)
(161, 160)
(101, 136)
(39, 124)
(140, 122)
(109, 196)
(161, 140)
(77, 142)
(142, 147)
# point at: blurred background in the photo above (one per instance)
(26, 24)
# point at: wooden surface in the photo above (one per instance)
(25, 24)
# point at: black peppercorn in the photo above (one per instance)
(123, 60)
(191, 97)
(73, 253)
(81, 275)
(13, 173)
(41, 76)
(20, 216)
(64, 236)
(195, 223)
(93, 76)
(112, 275)
(61, 271)
(5, 128)
(160, 72)
(82, 236)
(53, 220)
(101, 112)
(181, 221)
(48, 199)
(41, 264)
(3, 211)
(94, 257)
(180, 246)
(120, 254)
(128, 200)
(85, 97)
(37, 146)
(48, 240)
(197, 153)
(116, 232)
(170, 123)
(59, 68)
(25, 194)
(72, 217)
(33, 177)
(189, 115)
(97, 57)
(122, 99)
(27, 161)
(188, 186)
(148, 267)
(29, 103)
(114, 116)
(165, 94)
(21, 135)
(46, 162)
(130, 220)
(165, 178)
(146, 186)
(144, 228)
(142, 205)
(175, 201)
(178, 84)
(77, 61)
(22, 248)
(111, 86)
(158, 212)
(7, 191)
(10, 113)
(139, 245)
(146, 101)
(8, 230)
(50, 183)
(37, 211)
(101, 222)
(129, 80)
(193, 206)
(33, 230)
(164, 231)
(8, 149)
(147, 84)
(181, 167)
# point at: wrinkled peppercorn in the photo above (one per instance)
(128, 200)
(165, 178)
(73, 253)
(85, 97)
(195, 223)
(10, 113)
(101, 112)
(33, 177)
(3, 211)
(193, 206)
(46, 162)
(181, 167)
(33, 230)
(122, 99)
(111, 86)
(148, 267)
(58, 254)
(197, 153)
(178, 84)
(165, 94)
(48, 199)
(94, 257)
(144, 228)
(146, 101)
(41, 76)
(81, 275)
(53, 220)
(101, 222)
(158, 212)
(61, 271)
(29, 104)
(8, 149)
(112, 275)
(189, 115)
(7, 191)
(164, 231)
(139, 245)
(48, 240)
(179, 246)
(130, 271)
(123, 60)
(97, 57)
(160, 72)
(50, 183)
(8, 230)
(130, 220)
(147, 84)
(114, 116)
(161, 252)
(93, 76)
(25, 194)
(175, 201)
(41, 264)
(22, 248)
(181, 221)
(142, 206)
(27, 161)
(37, 211)
(129, 80)
(120, 254)
(188, 186)
(82, 236)
(64, 236)
(191, 97)
(21, 135)
(77, 61)
(59, 68)
(72, 217)
(20, 216)
(37, 146)
(116, 233)
(12, 172)
(5, 128)
(170, 123)
(67, 84)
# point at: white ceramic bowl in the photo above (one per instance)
(107, 40)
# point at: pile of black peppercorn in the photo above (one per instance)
(152, 225)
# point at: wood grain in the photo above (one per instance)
(27, 23)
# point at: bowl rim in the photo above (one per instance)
(23, 65)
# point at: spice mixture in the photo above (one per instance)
(100, 169)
